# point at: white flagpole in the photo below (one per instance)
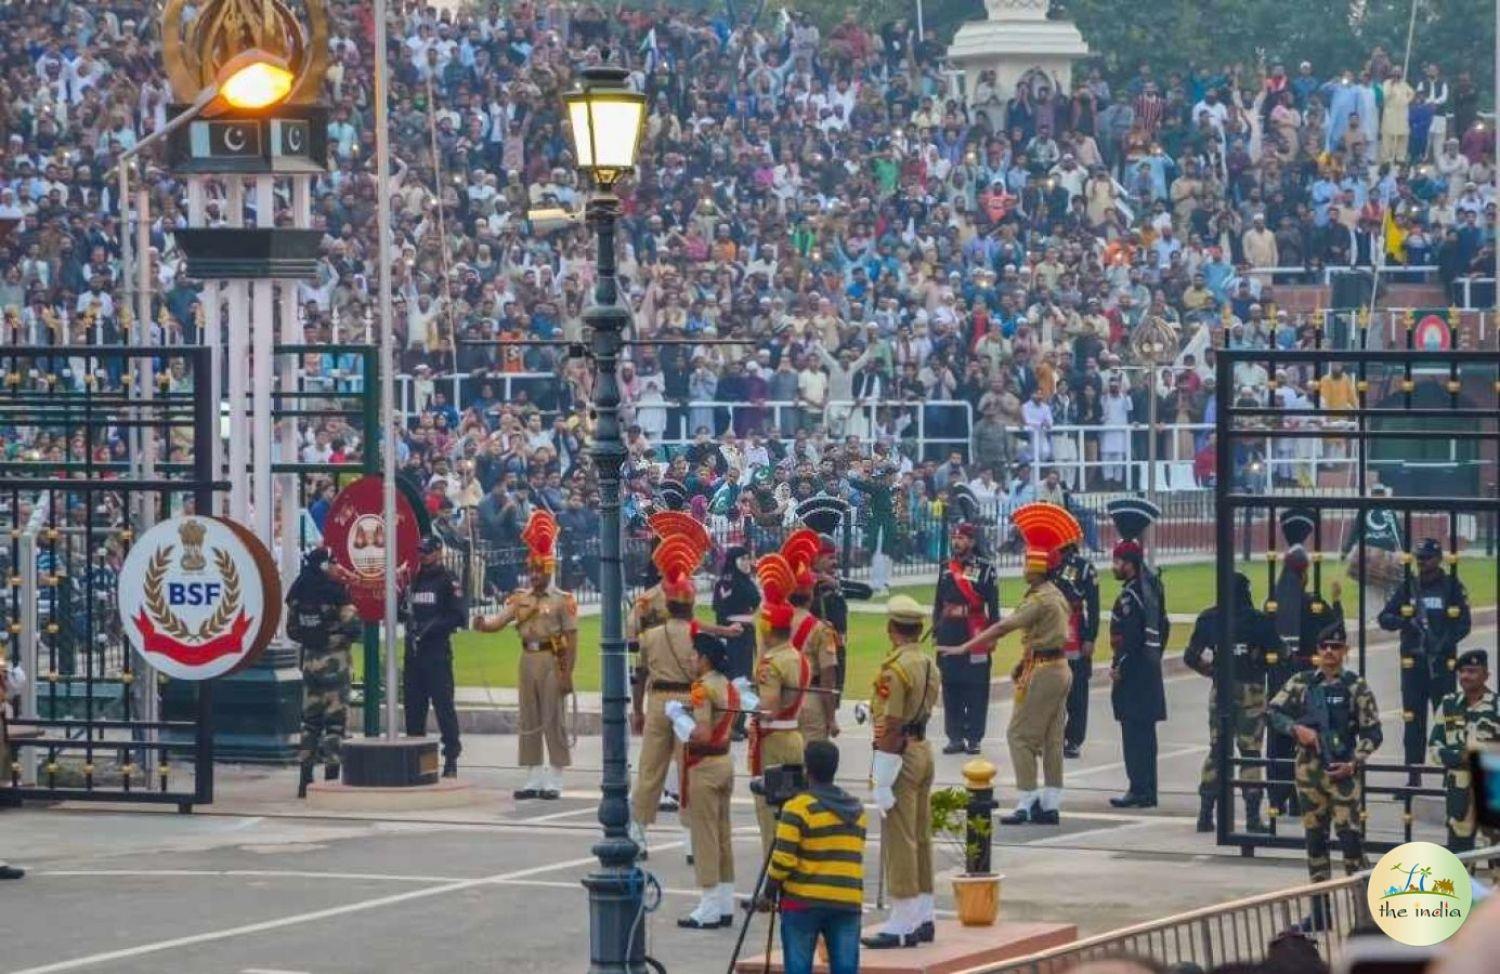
(387, 359)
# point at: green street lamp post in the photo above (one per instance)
(606, 120)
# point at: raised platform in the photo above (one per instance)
(956, 948)
(335, 796)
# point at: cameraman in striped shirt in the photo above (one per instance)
(817, 868)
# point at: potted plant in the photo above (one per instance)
(976, 891)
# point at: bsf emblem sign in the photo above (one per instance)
(199, 597)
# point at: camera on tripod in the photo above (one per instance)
(779, 784)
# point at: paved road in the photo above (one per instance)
(257, 884)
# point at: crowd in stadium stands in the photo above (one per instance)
(830, 240)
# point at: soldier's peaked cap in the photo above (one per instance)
(825, 515)
(1132, 516)
(1297, 524)
(673, 494)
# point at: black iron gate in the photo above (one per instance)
(96, 446)
(1446, 401)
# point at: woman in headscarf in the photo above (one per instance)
(735, 598)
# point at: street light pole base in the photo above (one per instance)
(616, 915)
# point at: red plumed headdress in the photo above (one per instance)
(540, 537)
(677, 558)
(777, 582)
(1046, 529)
(800, 549)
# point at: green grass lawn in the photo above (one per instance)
(481, 660)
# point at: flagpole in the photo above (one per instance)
(387, 434)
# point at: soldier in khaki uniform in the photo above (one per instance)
(781, 680)
(1043, 677)
(547, 620)
(905, 692)
(1468, 717)
(704, 726)
(813, 638)
(668, 664)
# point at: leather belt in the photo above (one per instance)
(707, 750)
(666, 686)
(537, 646)
(1046, 654)
(779, 725)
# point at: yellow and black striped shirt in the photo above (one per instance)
(819, 854)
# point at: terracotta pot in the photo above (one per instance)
(977, 899)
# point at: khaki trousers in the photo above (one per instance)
(659, 749)
(779, 747)
(1037, 723)
(906, 833)
(710, 786)
(541, 712)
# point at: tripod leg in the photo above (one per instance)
(760, 880)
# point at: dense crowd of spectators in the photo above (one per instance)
(824, 239)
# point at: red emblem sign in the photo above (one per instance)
(1432, 334)
(355, 533)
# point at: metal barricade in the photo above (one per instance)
(1238, 932)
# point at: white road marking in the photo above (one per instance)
(242, 874)
(571, 813)
(269, 970)
(310, 917)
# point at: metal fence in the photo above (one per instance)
(1238, 932)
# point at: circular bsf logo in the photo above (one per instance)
(199, 597)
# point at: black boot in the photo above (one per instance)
(1206, 805)
(1253, 821)
(450, 767)
(330, 772)
(304, 779)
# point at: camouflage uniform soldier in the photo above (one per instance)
(1468, 717)
(1332, 715)
(1256, 638)
(321, 620)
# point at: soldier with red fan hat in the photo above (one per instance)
(668, 663)
(1138, 633)
(1042, 677)
(782, 677)
(813, 638)
(546, 618)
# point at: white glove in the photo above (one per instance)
(1208, 657)
(861, 712)
(884, 771)
(682, 726)
(749, 699)
(674, 709)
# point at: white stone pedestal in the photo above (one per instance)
(1016, 40)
